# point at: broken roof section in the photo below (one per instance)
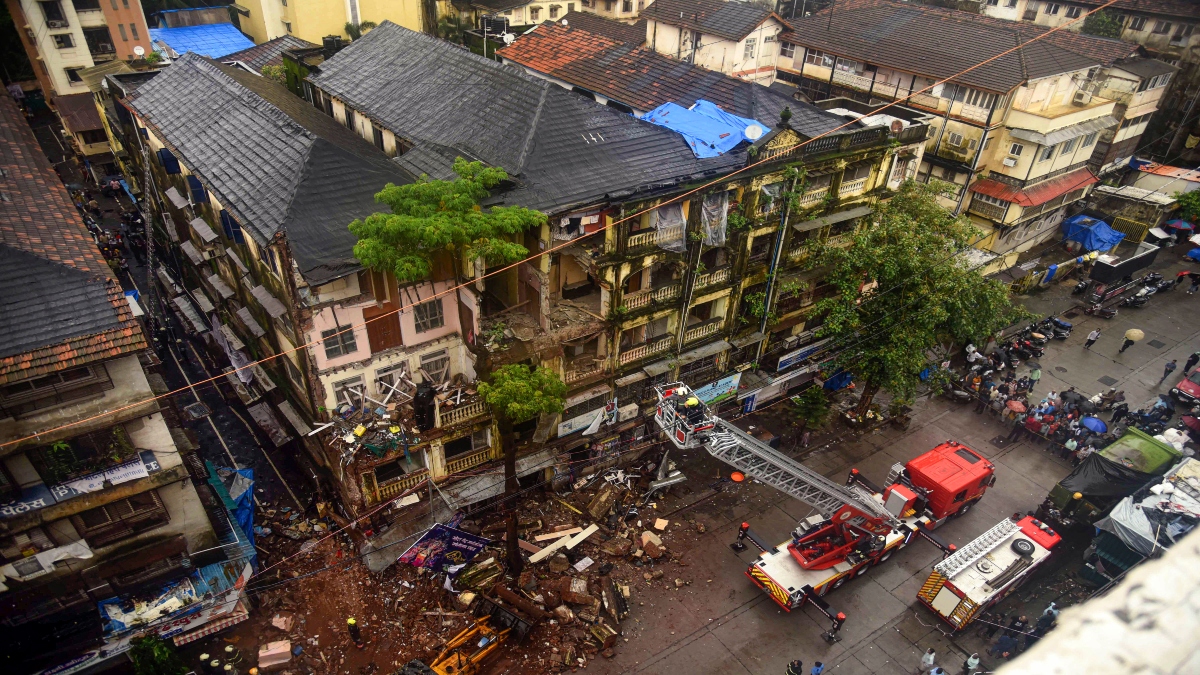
(562, 150)
(273, 160)
(269, 53)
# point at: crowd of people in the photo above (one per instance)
(127, 237)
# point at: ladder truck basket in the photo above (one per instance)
(683, 417)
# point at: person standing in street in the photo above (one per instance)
(1091, 339)
(1168, 369)
(817, 668)
(971, 664)
(1125, 345)
(795, 667)
(1035, 375)
(1191, 362)
(927, 660)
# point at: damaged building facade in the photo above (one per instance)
(101, 498)
(633, 290)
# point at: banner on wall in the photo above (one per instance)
(724, 388)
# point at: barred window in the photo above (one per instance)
(339, 341)
(428, 315)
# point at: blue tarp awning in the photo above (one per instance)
(1093, 234)
(708, 130)
(213, 40)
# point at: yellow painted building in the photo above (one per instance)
(312, 20)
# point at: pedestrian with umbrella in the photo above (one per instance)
(1131, 336)
(1168, 369)
(1094, 424)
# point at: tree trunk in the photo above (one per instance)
(508, 441)
(868, 395)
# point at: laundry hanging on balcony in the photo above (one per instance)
(708, 130)
(714, 216)
(670, 225)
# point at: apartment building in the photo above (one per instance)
(739, 39)
(312, 20)
(1016, 140)
(625, 11)
(62, 37)
(101, 499)
(1168, 31)
(622, 303)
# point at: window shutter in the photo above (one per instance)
(225, 224)
(199, 196)
(168, 161)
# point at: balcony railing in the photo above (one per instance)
(651, 237)
(714, 277)
(852, 187)
(459, 414)
(468, 461)
(813, 196)
(972, 112)
(990, 211)
(385, 492)
(926, 100)
(703, 330)
(579, 374)
(654, 346)
(642, 298)
(851, 80)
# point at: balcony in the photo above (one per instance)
(571, 375)
(712, 278)
(1059, 116)
(652, 237)
(852, 80)
(386, 492)
(813, 197)
(852, 187)
(989, 211)
(459, 414)
(710, 327)
(654, 346)
(468, 461)
(643, 298)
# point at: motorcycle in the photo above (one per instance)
(1141, 299)
(1056, 327)
(1034, 349)
(1100, 311)
(1081, 287)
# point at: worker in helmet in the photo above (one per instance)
(694, 410)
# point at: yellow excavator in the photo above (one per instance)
(466, 652)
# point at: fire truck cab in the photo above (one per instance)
(951, 478)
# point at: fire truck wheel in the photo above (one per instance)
(838, 584)
(862, 570)
(1023, 547)
(884, 557)
(962, 511)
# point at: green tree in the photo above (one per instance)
(357, 30)
(1102, 24)
(438, 219)
(518, 394)
(925, 294)
(154, 656)
(811, 407)
(1189, 206)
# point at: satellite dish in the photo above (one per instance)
(508, 38)
(564, 22)
(139, 50)
(754, 132)
(897, 126)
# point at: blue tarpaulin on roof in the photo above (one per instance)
(1094, 235)
(213, 40)
(708, 130)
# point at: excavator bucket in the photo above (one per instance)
(502, 617)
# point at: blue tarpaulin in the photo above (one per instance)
(1094, 235)
(839, 380)
(708, 130)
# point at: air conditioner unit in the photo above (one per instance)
(1010, 161)
(58, 24)
(1082, 97)
(105, 47)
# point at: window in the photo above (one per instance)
(377, 136)
(391, 376)
(73, 75)
(954, 139)
(554, 11)
(1047, 153)
(979, 99)
(85, 5)
(849, 66)
(1073, 12)
(751, 45)
(133, 31)
(349, 118)
(48, 390)
(1016, 149)
(1137, 23)
(436, 365)
(338, 341)
(535, 11)
(121, 519)
(1182, 33)
(570, 7)
(428, 315)
(1068, 147)
(988, 199)
(345, 391)
(627, 6)
(1088, 140)
(993, 3)
(63, 41)
(1161, 27)
(787, 50)
(817, 58)
(93, 136)
(121, 30)
(287, 26)
(1155, 82)
(1010, 3)
(1053, 8)
(53, 12)
(960, 496)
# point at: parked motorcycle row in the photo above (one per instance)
(1146, 287)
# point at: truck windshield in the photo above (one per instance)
(967, 455)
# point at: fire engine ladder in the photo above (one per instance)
(762, 462)
(981, 546)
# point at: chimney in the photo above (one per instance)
(331, 44)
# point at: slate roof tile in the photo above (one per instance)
(730, 20)
(633, 34)
(61, 304)
(269, 53)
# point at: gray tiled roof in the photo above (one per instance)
(269, 53)
(731, 20)
(937, 43)
(272, 159)
(561, 149)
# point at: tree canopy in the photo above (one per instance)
(520, 393)
(1102, 24)
(432, 217)
(1189, 205)
(924, 292)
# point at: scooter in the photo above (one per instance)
(1100, 311)
(1140, 299)
(1081, 287)
(1057, 328)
